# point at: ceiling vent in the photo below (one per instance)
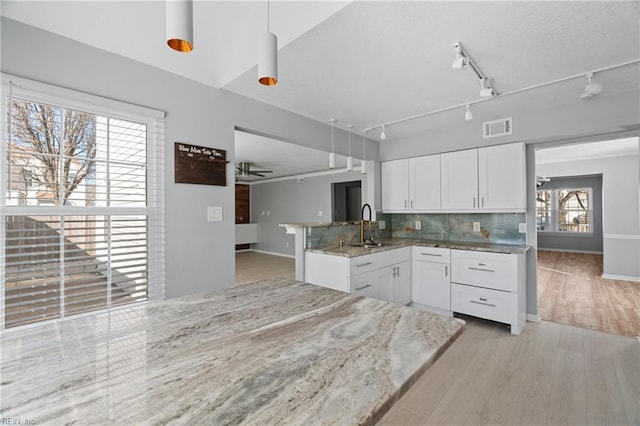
(491, 129)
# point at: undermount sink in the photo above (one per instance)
(368, 244)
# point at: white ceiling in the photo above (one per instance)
(369, 62)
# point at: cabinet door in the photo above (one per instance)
(459, 178)
(424, 183)
(401, 283)
(431, 284)
(395, 185)
(363, 284)
(501, 176)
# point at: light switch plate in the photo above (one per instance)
(418, 225)
(381, 224)
(476, 226)
(214, 214)
(522, 228)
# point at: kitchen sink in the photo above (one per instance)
(368, 244)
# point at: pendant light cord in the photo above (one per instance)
(268, 11)
(350, 141)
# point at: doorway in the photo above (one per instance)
(347, 201)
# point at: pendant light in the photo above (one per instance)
(332, 155)
(350, 158)
(363, 164)
(383, 133)
(268, 56)
(179, 24)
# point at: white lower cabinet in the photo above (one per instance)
(384, 275)
(430, 279)
(490, 286)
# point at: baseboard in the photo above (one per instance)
(569, 251)
(621, 278)
(243, 250)
(273, 253)
(533, 318)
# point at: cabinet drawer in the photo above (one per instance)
(370, 262)
(497, 271)
(431, 254)
(493, 305)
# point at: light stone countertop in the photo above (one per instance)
(390, 244)
(272, 352)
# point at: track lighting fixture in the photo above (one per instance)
(486, 91)
(461, 61)
(179, 24)
(268, 57)
(332, 155)
(591, 89)
(383, 134)
(363, 163)
(350, 158)
(468, 115)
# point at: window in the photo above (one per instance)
(564, 210)
(81, 205)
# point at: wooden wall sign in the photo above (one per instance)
(199, 164)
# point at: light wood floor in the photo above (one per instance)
(550, 374)
(571, 291)
(252, 266)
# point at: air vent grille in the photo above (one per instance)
(501, 127)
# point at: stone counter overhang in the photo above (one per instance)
(394, 243)
(272, 352)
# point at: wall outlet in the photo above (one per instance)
(418, 225)
(381, 224)
(214, 214)
(522, 228)
(476, 226)
(286, 244)
(320, 213)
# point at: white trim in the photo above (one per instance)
(620, 278)
(533, 318)
(70, 98)
(569, 250)
(622, 236)
(273, 253)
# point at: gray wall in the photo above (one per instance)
(588, 242)
(291, 201)
(199, 254)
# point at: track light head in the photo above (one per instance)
(461, 61)
(468, 115)
(591, 89)
(383, 134)
(486, 91)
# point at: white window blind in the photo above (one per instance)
(81, 210)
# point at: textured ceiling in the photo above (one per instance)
(369, 62)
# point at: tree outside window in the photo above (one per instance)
(564, 210)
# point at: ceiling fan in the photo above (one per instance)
(244, 169)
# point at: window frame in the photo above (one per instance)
(554, 212)
(33, 91)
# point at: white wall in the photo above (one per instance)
(621, 208)
(199, 254)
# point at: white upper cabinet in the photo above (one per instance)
(459, 173)
(411, 184)
(395, 185)
(501, 177)
(424, 183)
(490, 179)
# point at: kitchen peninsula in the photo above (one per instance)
(272, 352)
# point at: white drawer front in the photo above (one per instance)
(484, 303)
(370, 262)
(491, 270)
(431, 254)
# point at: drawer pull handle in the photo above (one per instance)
(363, 287)
(431, 254)
(363, 264)
(446, 270)
(482, 303)
(484, 299)
(480, 269)
(482, 264)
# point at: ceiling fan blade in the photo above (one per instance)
(256, 174)
(261, 171)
